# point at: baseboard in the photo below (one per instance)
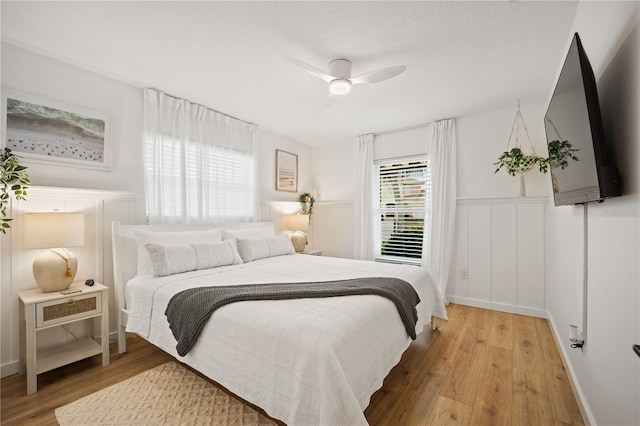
(10, 369)
(502, 307)
(587, 416)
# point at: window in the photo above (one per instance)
(199, 183)
(403, 188)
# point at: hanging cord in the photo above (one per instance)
(66, 258)
(555, 129)
(517, 122)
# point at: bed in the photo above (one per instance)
(312, 361)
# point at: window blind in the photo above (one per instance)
(403, 187)
(200, 183)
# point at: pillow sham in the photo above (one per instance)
(258, 248)
(176, 237)
(170, 259)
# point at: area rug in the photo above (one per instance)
(165, 395)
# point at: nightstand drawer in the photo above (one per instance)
(69, 308)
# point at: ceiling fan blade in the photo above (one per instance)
(313, 70)
(379, 75)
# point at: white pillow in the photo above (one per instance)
(169, 259)
(259, 248)
(181, 237)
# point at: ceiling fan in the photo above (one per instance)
(339, 75)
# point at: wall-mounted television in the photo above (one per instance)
(581, 160)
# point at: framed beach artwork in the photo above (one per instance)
(286, 171)
(46, 131)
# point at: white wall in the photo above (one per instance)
(606, 371)
(44, 77)
(334, 171)
(481, 140)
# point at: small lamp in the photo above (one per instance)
(55, 269)
(298, 223)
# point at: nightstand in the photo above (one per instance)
(312, 252)
(40, 311)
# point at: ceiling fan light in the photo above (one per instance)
(340, 86)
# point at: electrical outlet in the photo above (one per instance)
(464, 273)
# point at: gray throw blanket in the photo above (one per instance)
(189, 310)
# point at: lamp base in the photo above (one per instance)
(299, 241)
(54, 272)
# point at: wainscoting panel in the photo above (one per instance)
(479, 251)
(458, 284)
(531, 255)
(499, 256)
(332, 225)
(503, 253)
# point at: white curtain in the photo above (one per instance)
(438, 243)
(200, 165)
(363, 247)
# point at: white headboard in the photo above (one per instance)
(125, 255)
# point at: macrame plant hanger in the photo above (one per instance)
(529, 160)
(555, 161)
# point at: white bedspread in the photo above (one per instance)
(304, 361)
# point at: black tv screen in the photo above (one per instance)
(581, 162)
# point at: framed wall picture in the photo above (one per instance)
(286, 171)
(47, 131)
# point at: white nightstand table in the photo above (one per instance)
(312, 252)
(41, 311)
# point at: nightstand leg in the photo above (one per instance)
(30, 349)
(104, 329)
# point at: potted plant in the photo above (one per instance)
(13, 179)
(560, 152)
(306, 204)
(515, 162)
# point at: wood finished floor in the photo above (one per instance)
(480, 368)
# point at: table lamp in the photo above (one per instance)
(298, 223)
(55, 269)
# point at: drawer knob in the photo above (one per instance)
(71, 302)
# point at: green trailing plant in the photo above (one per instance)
(516, 162)
(560, 152)
(306, 203)
(13, 179)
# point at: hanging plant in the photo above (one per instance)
(306, 203)
(560, 152)
(13, 179)
(514, 160)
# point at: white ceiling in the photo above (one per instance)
(462, 57)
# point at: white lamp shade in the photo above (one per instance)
(54, 229)
(298, 222)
